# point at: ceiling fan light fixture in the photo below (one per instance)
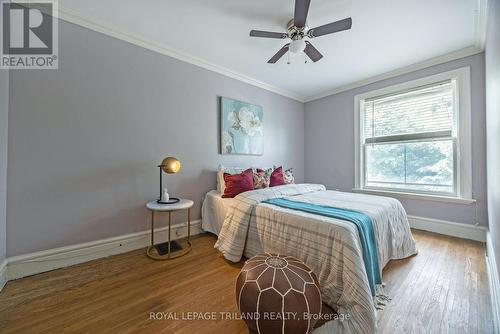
(297, 45)
(297, 29)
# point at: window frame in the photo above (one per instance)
(462, 149)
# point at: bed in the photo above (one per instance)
(213, 211)
(330, 247)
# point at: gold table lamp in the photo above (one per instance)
(169, 165)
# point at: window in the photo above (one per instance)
(415, 137)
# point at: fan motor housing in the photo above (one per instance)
(296, 32)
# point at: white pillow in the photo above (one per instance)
(221, 184)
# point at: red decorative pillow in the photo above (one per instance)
(238, 183)
(277, 178)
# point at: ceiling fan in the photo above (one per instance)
(297, 31)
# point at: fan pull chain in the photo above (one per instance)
(288, 55)
(305, 59)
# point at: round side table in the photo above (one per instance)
(170, 249)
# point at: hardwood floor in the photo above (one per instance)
(444, 289)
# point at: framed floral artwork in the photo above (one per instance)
(242, 127)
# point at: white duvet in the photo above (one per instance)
(329, 246)
(213, 211)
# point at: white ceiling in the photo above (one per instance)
(385, 35)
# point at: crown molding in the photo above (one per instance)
(109, 30)
(480, 17)
(400, 71)
(481, 23)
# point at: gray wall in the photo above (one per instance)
(329, 143)
(4, 110)
(493, 123)
(84, 141)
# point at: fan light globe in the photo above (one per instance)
(297, 46)
(170, 165)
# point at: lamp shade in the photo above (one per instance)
(170, 165)
(297, 45)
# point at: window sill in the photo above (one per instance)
(426, 197)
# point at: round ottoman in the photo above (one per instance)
(278, 294)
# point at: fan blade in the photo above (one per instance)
(330, 28)
(300, 15)
(279, 54)
(312, 52)
(268, 34)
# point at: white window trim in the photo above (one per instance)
(464, 157)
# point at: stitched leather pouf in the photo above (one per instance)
(278, 294)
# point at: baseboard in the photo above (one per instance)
(445, 227)
(3, 274)
(39, 262)
(494, 282)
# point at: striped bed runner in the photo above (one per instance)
(362, 222)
